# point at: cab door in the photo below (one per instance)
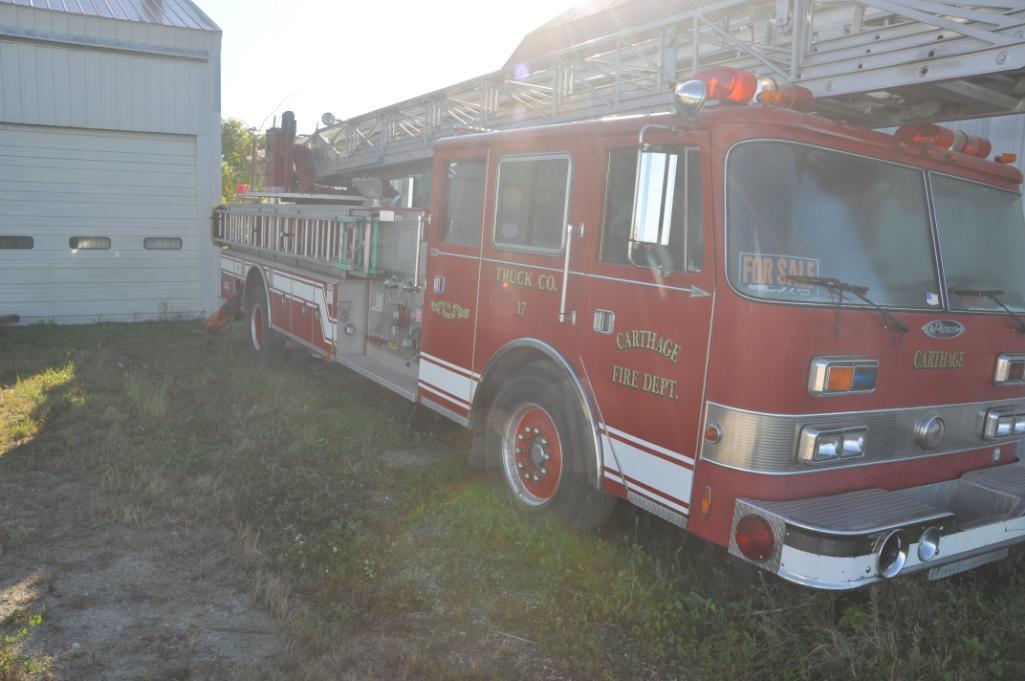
(446, 377)
(645, 333)
(534, 242)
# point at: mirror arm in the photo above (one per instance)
(655, 126)
(631, 248)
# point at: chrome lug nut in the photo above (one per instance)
(544, 471)
(519, 465)
(544, 440)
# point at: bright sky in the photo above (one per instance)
(355, 56)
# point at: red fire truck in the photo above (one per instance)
(795, 338)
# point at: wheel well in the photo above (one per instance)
(504, 365)
(511, 359)
(254, 282)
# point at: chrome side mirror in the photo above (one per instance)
(654, 191)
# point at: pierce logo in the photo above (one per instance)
(943, 329)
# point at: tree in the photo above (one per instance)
(236, 157)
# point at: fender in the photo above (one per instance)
(258, 269)
(534, 347)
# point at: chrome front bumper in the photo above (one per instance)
(832, 542)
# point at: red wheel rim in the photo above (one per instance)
(533, 455)
(257, 326)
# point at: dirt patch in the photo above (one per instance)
(120, 602)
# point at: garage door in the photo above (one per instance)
(97, 225)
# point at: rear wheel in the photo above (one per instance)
(264, 340)
(540, 452)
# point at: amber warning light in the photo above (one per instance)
(726, 85)
(947, 139)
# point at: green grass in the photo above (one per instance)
(14, 666)
(343, 544)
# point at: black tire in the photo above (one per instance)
(265, 342)
(539, 450)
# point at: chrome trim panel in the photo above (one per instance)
(659, 510)
(768, 443)
(445, 411)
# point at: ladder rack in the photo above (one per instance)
(869, 62)
(317, 235)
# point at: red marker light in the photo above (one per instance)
(729, 84)
(755, 538)
(926, 133)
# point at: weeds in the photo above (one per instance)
(396, 570)
(14, 665)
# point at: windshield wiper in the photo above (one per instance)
(992, 294)
(834, 284)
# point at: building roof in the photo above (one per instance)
(592, 20)
(176, 13)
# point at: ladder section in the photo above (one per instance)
(344, 238)
(869, 62)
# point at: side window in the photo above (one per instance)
(686, 249)
(463, 211)
(532, 204)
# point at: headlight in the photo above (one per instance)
(821, 446)
(999, 424)
(1010, 370)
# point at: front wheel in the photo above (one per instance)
(540, 452)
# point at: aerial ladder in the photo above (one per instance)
(870, 63)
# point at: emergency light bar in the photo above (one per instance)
(727, 85)
(937, 136)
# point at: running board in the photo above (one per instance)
(403, 383)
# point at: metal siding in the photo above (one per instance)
(45, 83)
(176, 13)
(101, 90)
(59, 183)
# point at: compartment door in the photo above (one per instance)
(446, 377)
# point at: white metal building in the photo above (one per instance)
(109, 159)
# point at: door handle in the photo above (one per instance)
(604, 321)
(564, 315)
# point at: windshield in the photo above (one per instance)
(801, 210)
(982, 237)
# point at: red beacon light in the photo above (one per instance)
(937, 136)
(727, 85)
